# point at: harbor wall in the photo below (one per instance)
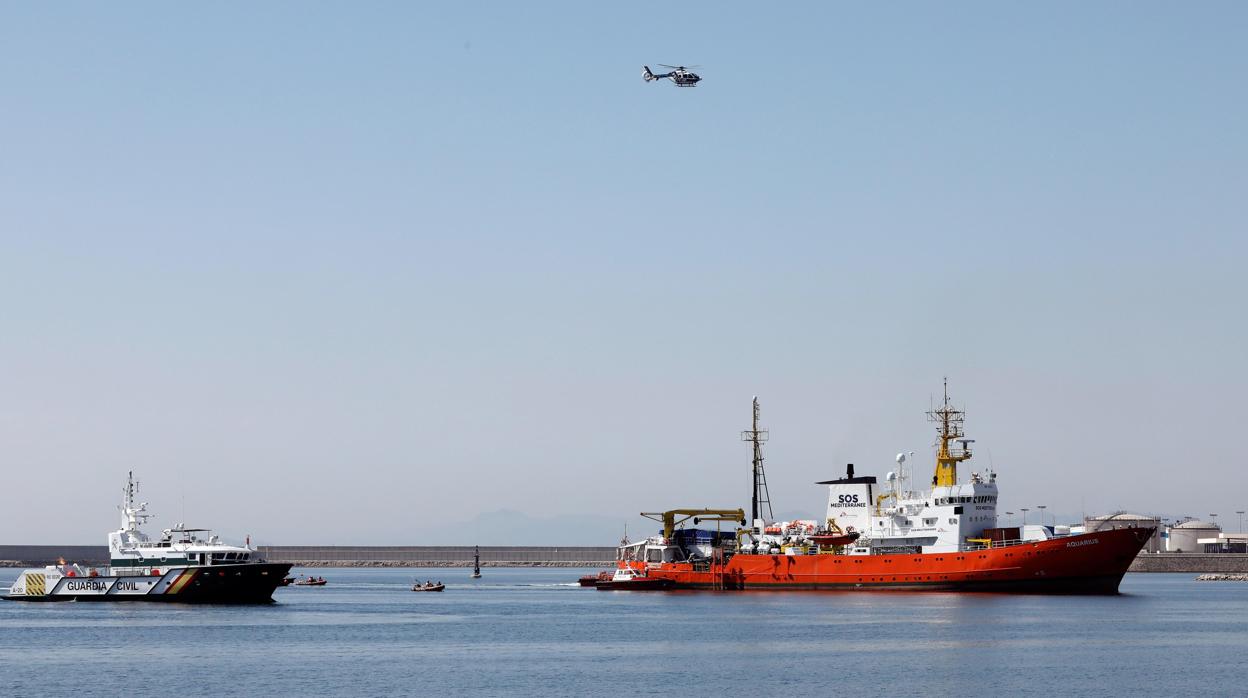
(39, 555)
(439, 555)
(351, 556)
(1190, 562)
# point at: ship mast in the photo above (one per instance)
(949, 428)
(132, 514)
(761, 497)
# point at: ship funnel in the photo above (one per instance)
(849, 470)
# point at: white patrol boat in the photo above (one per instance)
(185, 565)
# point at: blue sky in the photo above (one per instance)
(332, 273)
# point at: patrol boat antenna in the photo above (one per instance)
(132, 515)
(949, 428)
(761, 497)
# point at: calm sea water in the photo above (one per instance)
(532, 632)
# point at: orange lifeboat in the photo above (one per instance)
(830, 540)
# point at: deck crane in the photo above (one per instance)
(669, 520)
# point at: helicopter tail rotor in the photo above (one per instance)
(646, 74)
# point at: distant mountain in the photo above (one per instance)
(508, 527)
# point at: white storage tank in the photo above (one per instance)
(1126, 519)
(1183, 537)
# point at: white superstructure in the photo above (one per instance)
(131, 552)
(947, 518)
(183, 564)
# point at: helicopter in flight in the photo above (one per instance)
(680, 75)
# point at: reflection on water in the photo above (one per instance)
(534, 631)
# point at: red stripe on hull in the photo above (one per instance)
(1091, 563)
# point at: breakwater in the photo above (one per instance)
(438, 556)
(1190, 562)
(350, 556)
(38, 555)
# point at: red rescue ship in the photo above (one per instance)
(889, 536)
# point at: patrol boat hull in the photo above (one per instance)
(251, 583)
(1092, 563)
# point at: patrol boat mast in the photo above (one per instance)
(132, 517)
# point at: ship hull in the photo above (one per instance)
(1092, 563)
(637, 584)
(250, 583)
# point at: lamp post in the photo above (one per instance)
(1241, 521)
(1041, 507)
(1024, 510)
(1010, 514)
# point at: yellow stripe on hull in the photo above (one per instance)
(181, 581)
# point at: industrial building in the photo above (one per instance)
(1224, 543)
(1126, 519)
(1185, 537)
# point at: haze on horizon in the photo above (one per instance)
(375, 274)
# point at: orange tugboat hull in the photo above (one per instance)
(1091, 563)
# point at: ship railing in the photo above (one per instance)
(1012, 542)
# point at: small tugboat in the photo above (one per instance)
(476, 562)
(310, 581)
(633, 576)
(186, 565)
(593, 580)
(428, 586)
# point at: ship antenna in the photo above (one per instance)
(131, 514)
(948, 428)
(761, 497)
